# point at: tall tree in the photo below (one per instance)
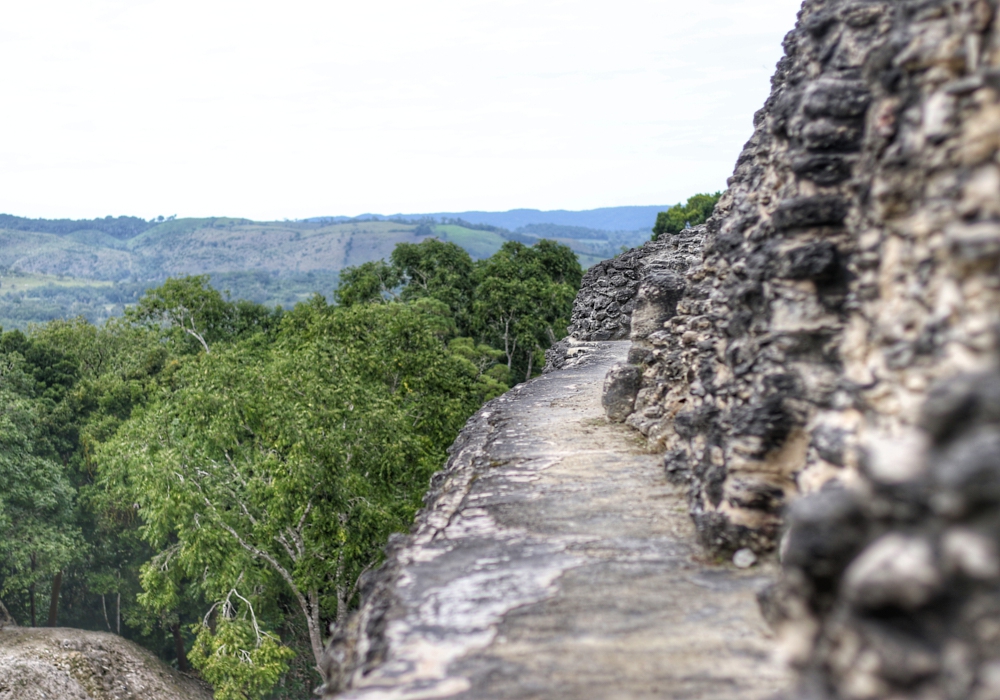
(38, 537)
(374, 281)
(523, 300)
(438, 270)
(695, 211)
(189, 308)
(272, 469)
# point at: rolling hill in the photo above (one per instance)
(58, 268)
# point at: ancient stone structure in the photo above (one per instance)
(554, 560)
(818, 364)
(851, 266)
(603, 308)
(891, 586)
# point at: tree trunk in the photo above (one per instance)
(508, 350)
(7, 619)
(104, 607)
(313, 623)
(31, 592)
(182, 662)
(531, 359)
(54, 601)
(341, 607)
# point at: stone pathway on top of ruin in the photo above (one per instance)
(563, 565)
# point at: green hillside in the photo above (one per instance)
(194, 246)
(95, 270)
(479, 244)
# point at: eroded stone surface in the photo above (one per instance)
(71, 664)
(890, 588)
(851, 264)
(604, 307)
(554, 560)
(621, 384)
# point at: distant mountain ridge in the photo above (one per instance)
(631, 218)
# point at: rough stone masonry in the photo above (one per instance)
(819, 363)
(835, 348)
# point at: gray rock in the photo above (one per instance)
(620, 388)
(826, 531)
(970, 467)
(919, 589)
(70, 664)
(656, 303)
(553, 561)
(604, 306)
(895, 570)
(847, 277)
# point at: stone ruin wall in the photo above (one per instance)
(818, 363)
(825, 376)
(603, 308)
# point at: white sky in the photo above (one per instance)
(305, 108)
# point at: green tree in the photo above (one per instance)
(696, 211)
(214, 476)
(374, 281)
(265, 471)
(191, 308)
(239, 659)
(559, 263)
(438, 270)
(116, 366)
(523, 300)
(38, 537)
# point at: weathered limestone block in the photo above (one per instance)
(620, 387)
(891, 585)
(604, 306)
(656, 303)
(852, 263)
(45, 663)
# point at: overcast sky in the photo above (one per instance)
(305, 108)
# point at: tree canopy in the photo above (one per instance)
(692, 213)
(518, 301)
(211, 477)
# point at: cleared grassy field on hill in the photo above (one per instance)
(49, 254)
(21, 282)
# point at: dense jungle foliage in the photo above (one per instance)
(211, 477)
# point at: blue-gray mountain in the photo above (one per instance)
(603, 219)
